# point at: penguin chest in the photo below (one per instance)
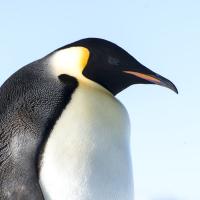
(87, 155)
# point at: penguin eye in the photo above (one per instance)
(113, 61)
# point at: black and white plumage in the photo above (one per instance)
(63, 134)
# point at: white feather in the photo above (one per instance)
(87, 156)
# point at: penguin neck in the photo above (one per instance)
(87, 153)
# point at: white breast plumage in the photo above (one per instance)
(87, 155)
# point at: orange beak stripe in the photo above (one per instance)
(144, 76)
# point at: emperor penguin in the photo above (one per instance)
(63, 133)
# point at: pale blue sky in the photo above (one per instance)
(164, 36)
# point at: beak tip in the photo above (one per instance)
(176, 91)
(167, 83)
(171, 86)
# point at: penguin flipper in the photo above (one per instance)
(18, 174)
(30, 102)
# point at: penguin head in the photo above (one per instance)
(106, 64)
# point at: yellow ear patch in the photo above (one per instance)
(85, 54)
(71, 61)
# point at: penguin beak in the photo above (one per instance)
(155, 79)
